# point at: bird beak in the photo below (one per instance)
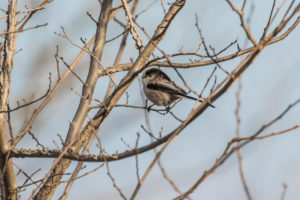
(143, 76)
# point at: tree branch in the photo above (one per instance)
(7, 174)
(83, 108)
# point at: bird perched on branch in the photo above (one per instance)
(159, 88)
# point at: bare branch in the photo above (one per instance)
(241, 15)
(227, 153)
(7, 174)
(83, 108)
(76, 171)
(22, 30)
(51, 94)
(283, 191)
(216, 93)
(27, 153)
(133, 30)
(41, 7)
(74, 73)
(28, 177)
(97, 60)
(238, 152)
(32, 102)
(127, 66)
(108, 171)
(120, 51)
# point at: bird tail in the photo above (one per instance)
(192, 98)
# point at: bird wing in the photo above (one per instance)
(172, 88)
(169, 87)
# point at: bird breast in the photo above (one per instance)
(157, 97)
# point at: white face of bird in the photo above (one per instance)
(148, 76)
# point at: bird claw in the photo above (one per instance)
(148, 107)
(168, 108)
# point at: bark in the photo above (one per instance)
(52, 182)
(7, 176)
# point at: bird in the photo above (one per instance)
(161, 90)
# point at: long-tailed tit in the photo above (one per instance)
(159, 88)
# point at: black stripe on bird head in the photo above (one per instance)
(157, 72)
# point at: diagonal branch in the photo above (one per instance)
(228, 152)
(243, 23)
(136, 37)
(195, 113)
(52, 182)
(154, 62)
(31, 102)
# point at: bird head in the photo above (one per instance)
(154, 73)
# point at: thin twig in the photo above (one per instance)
(28, 177)
(75, 173)
(227, 152)
(64, 35)
(147, 119)
(206, 49)
(47, 153)
(55, 162)
(135, 36)
(136, 157)
(243, 24)
(41, 7)
(25, 29)
(36, 140)
(121, 50)
(238, 152)
(9, 125)
(163, 6)
(32, 102)
(108, 171)
(57, 62)
(68, 66)
(207, 81)
(283, 191)
(83, 175)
